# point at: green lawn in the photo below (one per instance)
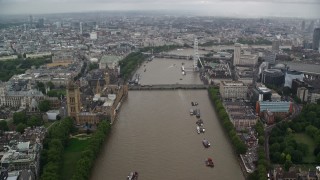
(304, 138)
(71, 155)
(47, 124)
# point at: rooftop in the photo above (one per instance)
(110, 58)
(232, 83)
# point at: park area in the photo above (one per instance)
(305, 139)
(72, 154)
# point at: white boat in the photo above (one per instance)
(191, 111)
(133, 176)
(198, 113)
(198, 129)
(202, 129)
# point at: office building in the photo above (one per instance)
(109, 61)
(31, 21)
(298, 83)
(268, 117)
(237, 54)
(233, 90)
(303, 25)
(81, 30)
(276, 45)
(243, 59)
(273, 77)
(93, 35)
(61, 59)
(281, 107)
(261, 94)
(316, 39)
(291, 75)
(40, 23)
(314, 97)
(302, 94)
(270, 57)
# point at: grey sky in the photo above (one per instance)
(238, 8)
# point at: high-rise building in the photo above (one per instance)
(31, 21)
(81, 28)
(58, 24)
(316, 39)
(311, 27)
(270, 57)
(276, 45)
(303, 25)
(40, 23)
(236, 54)
(302, 93)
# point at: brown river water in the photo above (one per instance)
(156, 136)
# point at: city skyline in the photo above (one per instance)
(228, 8)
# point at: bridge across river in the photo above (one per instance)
(168, 87)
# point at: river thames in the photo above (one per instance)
(156, 136)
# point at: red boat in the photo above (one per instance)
(209, 162)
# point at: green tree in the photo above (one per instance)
(19, 117)
(287, 165)
(304, 148)
(261, 140)
(253, 176)
(259, 128)
(52, 93)
(44, 105)
(41, 87)
(297, 156)
(88, 156)
(50, 85)
(276, 157)
(318, 158)
(20, 128)
(4, 126)
(93, 66)
(34, 121)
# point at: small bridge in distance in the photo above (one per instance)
(168, 87)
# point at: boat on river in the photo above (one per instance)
(209, 162)
(199, 122)
(133, 176)
(198, 113)
(191, 111)
(200, 129)
(206, 143)
(194, 104)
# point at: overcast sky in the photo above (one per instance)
(238, 8)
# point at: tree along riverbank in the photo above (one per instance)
(55, 144)
(89, 155)
(237, 143)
